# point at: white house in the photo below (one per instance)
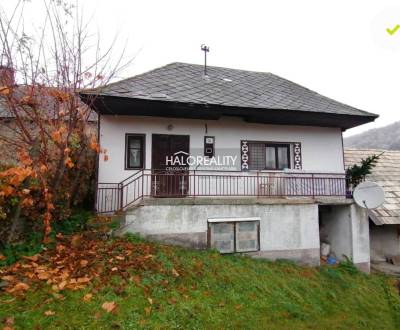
(236, 160)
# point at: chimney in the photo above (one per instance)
(7, 76)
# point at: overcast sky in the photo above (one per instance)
(338, 48)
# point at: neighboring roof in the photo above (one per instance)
(47, 103)
(386, 173)
(186, 83)
(3, 109)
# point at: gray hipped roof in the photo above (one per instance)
(181, 82)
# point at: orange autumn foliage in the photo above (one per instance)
(52, 169)
(51, 126)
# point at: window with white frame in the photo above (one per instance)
(134, 151)
(229, 236)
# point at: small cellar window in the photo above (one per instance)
(234, 235)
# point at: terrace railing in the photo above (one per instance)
(112, 197)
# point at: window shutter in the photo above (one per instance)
(297, 156)
(223, 237)
(247, 236)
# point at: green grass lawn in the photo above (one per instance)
(204, 290)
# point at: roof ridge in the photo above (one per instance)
(126, 79)
(228, 87)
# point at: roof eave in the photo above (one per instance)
(127, 106)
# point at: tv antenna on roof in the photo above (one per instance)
(205, 49)
(369, 195)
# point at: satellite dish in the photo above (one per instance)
(369, 195)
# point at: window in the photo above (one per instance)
(269, 156)
(134, 151)
(237, 236)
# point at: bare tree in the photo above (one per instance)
(48, 127)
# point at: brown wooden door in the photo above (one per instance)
(169, 179)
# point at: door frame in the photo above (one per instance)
(153, 170)
(152, 151)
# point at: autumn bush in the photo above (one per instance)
(28, 200)
(55, 153)
(47, 129)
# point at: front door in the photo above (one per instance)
(169, 178)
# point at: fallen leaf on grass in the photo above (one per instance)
(76, 240)
(43, 276)
(150, 301)
(58, 296)
(147, 310)
(87, 297)
(175, 273)
(69, 265)
(109, 306)
(2, 257)
(83, 280)
(21, 286)
(60, 248)
(62, 285)
(9, 321)
(172, 301)
(31, 258)
(49, 313)
(136, 279)
(8, 278)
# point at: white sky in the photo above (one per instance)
(338, 48)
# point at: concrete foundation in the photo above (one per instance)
(189, 240)
(288, 228)
(308, 257)
(287, 231)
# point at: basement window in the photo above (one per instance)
(234, 235)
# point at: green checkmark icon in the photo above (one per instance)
(394, 30)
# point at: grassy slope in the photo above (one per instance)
(214, 291)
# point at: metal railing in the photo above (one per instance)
(112, 197)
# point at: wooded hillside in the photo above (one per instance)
(387, 137)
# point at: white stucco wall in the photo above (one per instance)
(385, 242)
(347, 230)
(335, 228)
(322, 149)
(360, 234)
